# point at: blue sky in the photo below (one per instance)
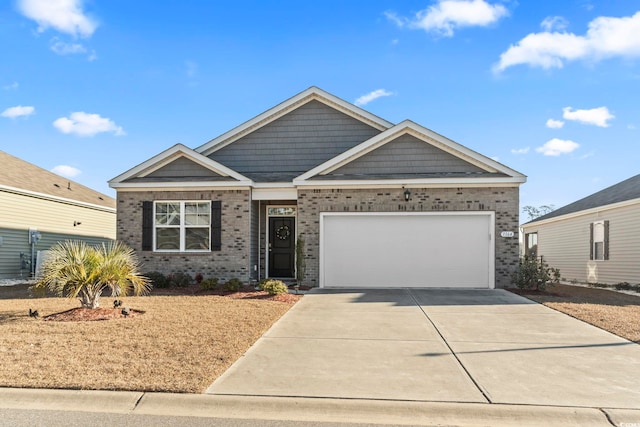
(551, 89)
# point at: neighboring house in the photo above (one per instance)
(377, 204)
(40, 208)
(593, 240)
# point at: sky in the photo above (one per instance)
(90, 89)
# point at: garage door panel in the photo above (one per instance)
(401, 250)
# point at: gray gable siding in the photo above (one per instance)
(407, 155)
(181, 169)
(295, 143)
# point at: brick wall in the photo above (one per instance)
(503, 201)
(232, 260)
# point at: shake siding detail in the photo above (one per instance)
(296, 142)
(564, 243)
(409, 155)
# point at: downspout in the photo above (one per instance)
(258, 236)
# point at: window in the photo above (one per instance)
(599, 250)
(182, 226)
(531, 244)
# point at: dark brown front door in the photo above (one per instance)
(282, 247)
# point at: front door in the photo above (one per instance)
(282, 247)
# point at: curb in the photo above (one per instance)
(307, 409)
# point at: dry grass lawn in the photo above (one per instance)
(612, 311)
(180, 343)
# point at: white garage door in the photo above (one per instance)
(443, 250)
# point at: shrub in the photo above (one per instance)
(199, 278)
(274, 287)
(534, 273)
(209, 284)
(158, 279)
(179, 279)
(75, 269)
(232, 285)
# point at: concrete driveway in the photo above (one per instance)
(476, 346)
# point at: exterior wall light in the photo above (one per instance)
(407, 194)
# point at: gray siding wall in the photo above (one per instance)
(16, 241)
(181, 169)
(296, 142)
(232, 261)
(503, 201)
(565, 244)
(409, 155)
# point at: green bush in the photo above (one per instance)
(232, 285)
(274, 287)
(179, 279)
(534, 273)
(158, 279)
(209, 284)
(626, 286)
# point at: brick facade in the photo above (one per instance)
(233, 260)
(504, 201)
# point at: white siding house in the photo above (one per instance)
(593, 240)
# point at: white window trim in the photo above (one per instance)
(182, 227)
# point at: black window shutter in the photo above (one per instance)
(606, 240)
(591, 241)
(216, 225)
(147, 226)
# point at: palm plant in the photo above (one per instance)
(77, 270)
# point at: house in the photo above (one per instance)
(593, 240)
(377, 204)
(40, 208)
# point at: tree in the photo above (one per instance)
(77, 270)
(535, 212)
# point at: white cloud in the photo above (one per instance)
(84, 124)
(556, 147)
(448, 15)
(12, 86)
(62, 48)
(596, 116)
(606, 37)
(551, 23)
(65, 16)
(65, 170)
(554, 124)
(18, 111)
(631, 126)
(371, 96)
(524, 150)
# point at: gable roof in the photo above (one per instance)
(146, 173)
(17, 175)
(310, 94)
(478, 166)
(626, 190)
(290, 145)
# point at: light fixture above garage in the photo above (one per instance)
(407, 194)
